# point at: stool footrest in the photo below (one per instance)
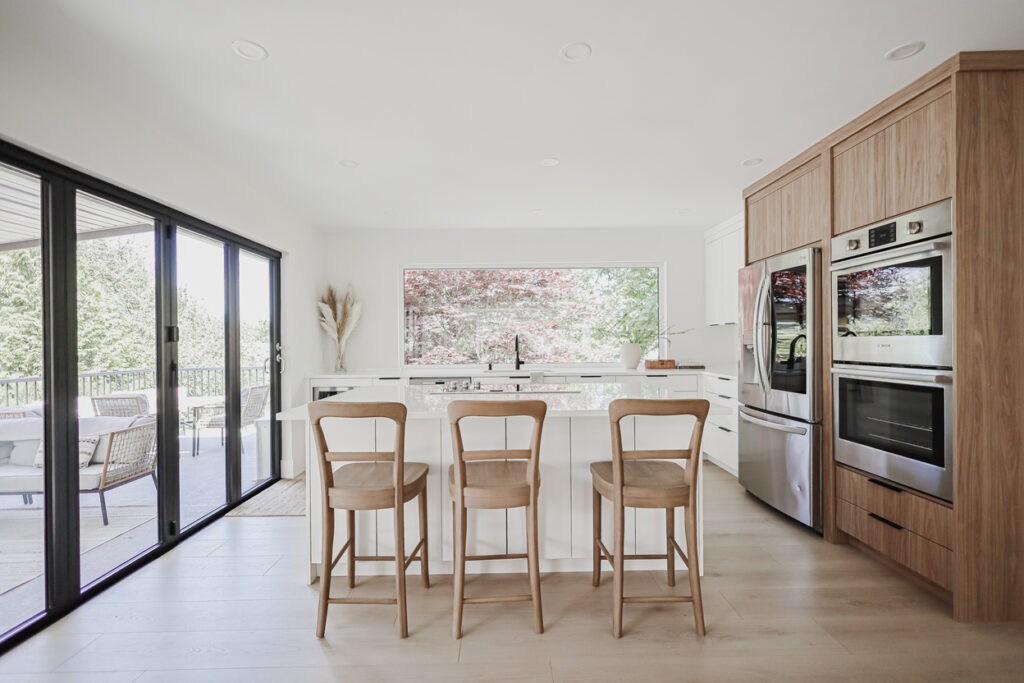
(505, 556)
(500, 598)
(658, 598)
(362, 601)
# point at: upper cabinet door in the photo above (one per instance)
(919, 154)
(859, 178)
(764, 227)
(803, 204)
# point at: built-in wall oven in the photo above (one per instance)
(897, 424)
(892, 349)
(892, 291)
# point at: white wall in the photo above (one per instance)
(371, 261)
(64, 116)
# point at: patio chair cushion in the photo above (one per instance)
(30, 410)
(101, 427)
(86, 449)
(5, 451)
(18, 479)
(24, 452)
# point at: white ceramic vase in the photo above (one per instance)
(629, 355)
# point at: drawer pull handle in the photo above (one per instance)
(728, 398)
(591, 376)
(884, 485)
(883, 520)
(725, 379)
(724, 429)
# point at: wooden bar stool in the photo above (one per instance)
(637, 479)
(375, 480)
(495, 479)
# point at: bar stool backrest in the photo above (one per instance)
(626, 407)
(327, 410)
(458, 410)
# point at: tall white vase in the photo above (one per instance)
(629, 355)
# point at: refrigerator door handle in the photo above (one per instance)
(763, 341)
(772, 425)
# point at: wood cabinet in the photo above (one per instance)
(792, 214)
(803, 209)
(918, 158)
(723, 257)
(764, 227)
(902, 167)
(859, 179)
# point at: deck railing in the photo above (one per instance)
(195, 381)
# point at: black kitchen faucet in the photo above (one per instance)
(519, 362)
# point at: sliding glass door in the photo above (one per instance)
(138, 380)
(256, 351)
(117, 396)
(202, 374)
(22, 484)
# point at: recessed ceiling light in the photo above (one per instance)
(549, 162)
(538, 211)
(752, 161)
(576, 52)
(348, 163)
(903, 51)
(246, 49)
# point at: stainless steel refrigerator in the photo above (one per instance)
(780, 383)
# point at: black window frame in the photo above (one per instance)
(59, 184)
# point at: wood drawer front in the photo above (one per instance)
(919, 515)
(918, 554)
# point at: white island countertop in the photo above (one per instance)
(564, 400)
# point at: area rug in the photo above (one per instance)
(286, 498)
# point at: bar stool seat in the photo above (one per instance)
(372, 484)
(645, 483)
(494, 484)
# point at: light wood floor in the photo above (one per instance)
(231, 605)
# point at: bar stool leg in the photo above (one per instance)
(532, 559)
(459, 539)
(351, 548)
(424, 568)
(693, 569)
(403, 617)
(597, 538)
(325, 571)
(620, 530)
(670, 533)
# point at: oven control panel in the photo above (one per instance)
(927, 223)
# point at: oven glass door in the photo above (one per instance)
(896, 308)
(899, 300)
(904, 419)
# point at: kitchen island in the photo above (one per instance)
(576, 433)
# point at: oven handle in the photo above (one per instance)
(934, 246)
(773, 425)
(894, 376)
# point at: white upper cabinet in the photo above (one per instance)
(723, 257)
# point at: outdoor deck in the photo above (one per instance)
(132, 528)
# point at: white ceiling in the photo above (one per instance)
(450, 106)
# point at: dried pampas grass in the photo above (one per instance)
(339, 319)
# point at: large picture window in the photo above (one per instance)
(457, 316)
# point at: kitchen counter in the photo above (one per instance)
(564, 400)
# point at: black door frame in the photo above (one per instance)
(59, 185)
